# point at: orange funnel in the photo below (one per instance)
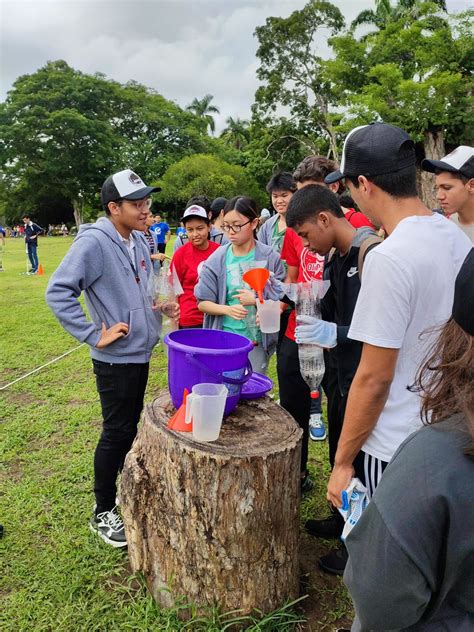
(177, 421)
(257, 278)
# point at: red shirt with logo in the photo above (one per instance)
(186, 263)
(310, 268)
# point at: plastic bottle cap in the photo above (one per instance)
(314, 394)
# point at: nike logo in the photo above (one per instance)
(352, 271)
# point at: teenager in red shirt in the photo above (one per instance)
(187, 262)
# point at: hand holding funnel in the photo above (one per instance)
(257, 279)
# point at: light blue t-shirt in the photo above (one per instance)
(236, 267)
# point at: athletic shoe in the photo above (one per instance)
(330, 527)
(335, 561)
(109, 526)
(317, 429)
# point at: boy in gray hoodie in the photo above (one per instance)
(110, 262)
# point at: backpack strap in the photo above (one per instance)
(365, 247)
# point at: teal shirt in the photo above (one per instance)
(236, 266)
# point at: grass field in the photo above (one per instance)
(55, 574)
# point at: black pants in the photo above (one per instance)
(294, 392)
(161, 248)
(336, 410)
(121, 388)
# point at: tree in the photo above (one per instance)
(236, 133)
(63, 132)
(204, 109)
(203, 174)
(292, 72)
(56, 138)
(385, 12)
(416, 74)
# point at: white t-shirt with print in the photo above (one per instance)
(407, 287)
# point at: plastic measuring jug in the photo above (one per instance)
(205, 407)
(269, 316)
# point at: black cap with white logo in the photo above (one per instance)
(461, 161)
(125, 185)
(373, 150)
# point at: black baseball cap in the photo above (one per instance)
(463, 306)
(373, 150)
(125, 185)
(461, 161)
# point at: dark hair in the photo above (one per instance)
(217, 206)
(308, 202)
(445, 379)
(200, 200)
(314, 168)
(243, 205)
(455, 174)
(346, 200)
(398, 184)
(26, 217)
(281, 181)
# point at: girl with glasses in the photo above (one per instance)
(222, 295)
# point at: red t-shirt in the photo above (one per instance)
(186, 263)
(310, 268)
(358, 219)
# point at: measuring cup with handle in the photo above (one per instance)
(205, 407)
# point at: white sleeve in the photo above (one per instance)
(382, 311)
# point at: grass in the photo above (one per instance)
(56, 575)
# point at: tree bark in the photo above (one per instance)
(434, 149)
(216, 522)
(78, 207)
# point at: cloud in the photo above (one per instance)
(182, 49)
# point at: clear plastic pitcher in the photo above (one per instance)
(205, 406)
(269, 316)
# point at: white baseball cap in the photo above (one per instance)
(461, 160)
(125, 185)
(195, 211)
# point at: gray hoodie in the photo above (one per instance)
(266, 230)
(115, 290)
(212, 285)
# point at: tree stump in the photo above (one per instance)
(216, 522)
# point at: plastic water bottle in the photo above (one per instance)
(311, 356)
(312, 367)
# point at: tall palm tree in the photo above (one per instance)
(386, 12)
(204, 109)
(236, 133)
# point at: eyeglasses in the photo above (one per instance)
(140, 205)
(235, 228)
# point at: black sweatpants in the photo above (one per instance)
(121, 388)
(336, 410)
(162, 248)
(294, 392)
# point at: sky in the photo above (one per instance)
(182, 49)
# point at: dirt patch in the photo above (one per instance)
(12, 472)
(23, 398)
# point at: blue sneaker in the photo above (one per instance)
(317, 429)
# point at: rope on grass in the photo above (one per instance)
(2, 388)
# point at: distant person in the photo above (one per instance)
(407, 288)
(155, 255)
(2, 246)
(222, 294)
(162, 232)
(180, 231)
(187, 263)
(109, 261)
(455, 186)
(312, 170)
(31, 232)
(411, 555)
(217, 213)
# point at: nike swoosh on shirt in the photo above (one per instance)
(351, 272)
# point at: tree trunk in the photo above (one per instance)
(434, 149)
(216, 522)
(78, 207)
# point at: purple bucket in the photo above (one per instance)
(207, 355)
